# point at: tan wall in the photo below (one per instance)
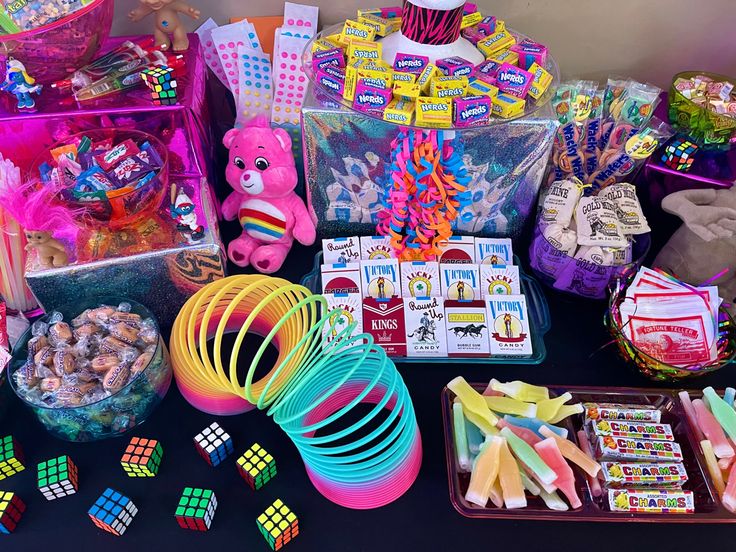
(648, 40)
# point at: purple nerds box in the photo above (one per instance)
(369, 98)
(530, 52)
(455, 66)
(514, 80)
(328, 58)
(472, 111)
(410, 63)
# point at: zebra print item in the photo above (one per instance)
(428, 26)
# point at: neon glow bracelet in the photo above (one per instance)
(508, 475)
(565, 481)
(485, 472)
(461, 438)
(506, 405)
(712, 430)
(521, 391)
(573, 453)
(529, 456)
(712, 464)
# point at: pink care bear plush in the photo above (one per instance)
(261, 170)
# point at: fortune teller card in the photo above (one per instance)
(460, 282)
(509, 322)
(375, 247)
(459, 250)
(495, 280)
(426, 334)
(341, 250)
(384, 320)
(467, 329)
(494, 251)
(420, 279)
(350, 307)
(380, 278)
(340, 278)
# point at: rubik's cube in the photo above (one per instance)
(256, 466)
(11, 510)
(679, 155)
(161, 82)
(278, 525)
(196, 509)
(142, 457)
(113, 512)
(57, 477)
(213, 444)
(11, 457)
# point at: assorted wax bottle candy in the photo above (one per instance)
(450, 92)
(89, 358)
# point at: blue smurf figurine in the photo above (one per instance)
(19, 83)
(182, 211)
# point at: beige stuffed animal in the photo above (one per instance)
(706, 242)
(167, 21)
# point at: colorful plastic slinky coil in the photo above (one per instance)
(343, 403)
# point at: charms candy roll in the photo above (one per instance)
(313, 384)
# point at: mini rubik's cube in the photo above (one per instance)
(196, 509)
(113, 512)
(256, 466)
(162, 84)
(11, 457)
(11, 510)
(278, 525)
(679, 155)
(57, 477)
(142, 457)
(213, 444)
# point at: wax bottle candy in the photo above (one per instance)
(506, 405)
(565, 411)
(687, 406)
(729, 495)
(573, 453)
(490, 392)
(593, 483)
(712, 464)
(529, 456)
(565, 480)
(496, 494)
(553, 501)
(508, 475)
(548, 487)
(547, 409)
(521, 391)
(461, 438)
(485, 471)
(474, 406)
(475, 437)
(725, 463)
(712, 430)
(527, 435)
(534, 424)
(729, 395)
(723, 412)
(529, 485)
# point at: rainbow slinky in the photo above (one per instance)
(314, 386)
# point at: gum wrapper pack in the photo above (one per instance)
(290, 82)
(675, 323)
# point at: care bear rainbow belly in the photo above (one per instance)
(263, 176)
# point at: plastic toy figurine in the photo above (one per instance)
(261, 170)
(182, 211)
(19, 83)
(167, 21)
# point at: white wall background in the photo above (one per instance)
(648, 40)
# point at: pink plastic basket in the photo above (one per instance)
(53, 51)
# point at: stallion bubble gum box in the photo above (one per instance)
(467, 329)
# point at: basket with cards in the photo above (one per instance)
(669, 329)
(473, 303)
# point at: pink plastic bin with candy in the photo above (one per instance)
(52, 51)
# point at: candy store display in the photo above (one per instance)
(472, 303)
(94, 373)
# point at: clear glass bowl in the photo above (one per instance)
(113, 415)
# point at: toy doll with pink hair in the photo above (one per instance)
(262, 173)
(47, 224)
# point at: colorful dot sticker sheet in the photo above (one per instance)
(204, 32)
(256, 84)
(228, 39)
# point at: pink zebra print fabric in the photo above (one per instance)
(428, 26)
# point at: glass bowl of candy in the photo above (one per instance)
(118, 176)
(93, 369)
(55, 37)
(703, 105)
(652, 363)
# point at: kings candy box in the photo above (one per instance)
(420, 279)
(341, 278)
(340, 250)
(633, 430)
(623, 448)
(384, 320)
(651, 502)
(509, 325)
(460, 282)
(350, 307)
(467, 329)
(641, 474)
(472, 111)
(380, 278)
(514, 80)
(425, 326)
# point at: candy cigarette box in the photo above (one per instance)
(704, 499)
